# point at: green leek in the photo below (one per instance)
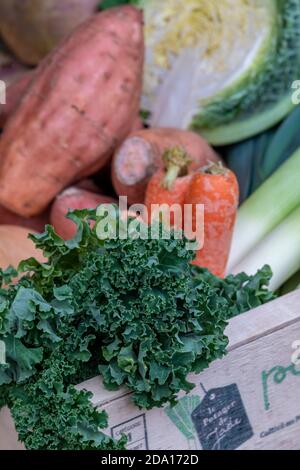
(273, 201)
(280, 249)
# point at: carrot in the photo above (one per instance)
(169, 185)
(140, 156)
(217, 189)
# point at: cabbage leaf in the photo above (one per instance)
(222, 68)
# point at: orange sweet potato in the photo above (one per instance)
(15, 246)
(14, 95)
(36, 223)
(73, 198)
(140, 155)
(80, 105)
(89, 185)
(136, 125)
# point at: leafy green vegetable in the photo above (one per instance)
(261, 214)
(254, 160)
(134, 309)
(280, 248)
(292, 284)
(243, 292)
(223, 68)
(113, 3)
(54, 416)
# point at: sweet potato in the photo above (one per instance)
(136, 125)
(15, 246)
(89, 185)
(14, 95)
(10, 68)
(140, 155)
(80, 105)
(73, 198)
(36, 223)
(32, 28)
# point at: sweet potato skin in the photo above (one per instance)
(32, 28)
(74, 198)
(78, 108)
(10, 68)
(15, 246)
(36, 223)
(136, 125)
(89, 185)
(139, 156)
(14, 95)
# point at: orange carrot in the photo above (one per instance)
(217, 189)
(169, 185)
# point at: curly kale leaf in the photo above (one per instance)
(134, 309)
(52, 415)
(243, 292)
(105, 4)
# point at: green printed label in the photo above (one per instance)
(276, 376)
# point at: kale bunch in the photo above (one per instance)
(133, 309)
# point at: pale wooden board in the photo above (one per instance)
(8, 435)
(259, 341)
(264, 320)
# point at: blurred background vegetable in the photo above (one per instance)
(32, 28)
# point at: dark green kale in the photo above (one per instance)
(49, 414)
(105, 4)
(243, 292)
(134, 309)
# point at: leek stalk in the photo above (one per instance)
(280, 249)
(267, 207)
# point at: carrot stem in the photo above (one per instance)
(214, 169)
(176, 161)
(170, 177)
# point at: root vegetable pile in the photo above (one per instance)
(72, 118)
(141, 310)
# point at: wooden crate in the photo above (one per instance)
(248, 400)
